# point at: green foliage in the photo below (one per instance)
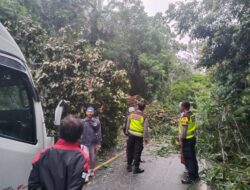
(189, 88)
(165, 139)
(159, 114)
(54, 15)
(164, 130)
(141, 46)
(228, 177)
(220, 127)
(51, 35)
(224, 27)
(12, 11)
(222, 139)
(78, 73)
(225, 54)
(30, 37)
(155, 72)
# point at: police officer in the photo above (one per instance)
(137, 131)
(187, 131)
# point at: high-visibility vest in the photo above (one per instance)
(136, 125)
(192, 127)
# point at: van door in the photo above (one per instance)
(21, 126)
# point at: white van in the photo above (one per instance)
(22, 128)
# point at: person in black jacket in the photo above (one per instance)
(64, 165)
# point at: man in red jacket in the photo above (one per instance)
(64, 165)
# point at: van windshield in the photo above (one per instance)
(16, 107)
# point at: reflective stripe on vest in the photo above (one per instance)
(192, 127)
(136, 125)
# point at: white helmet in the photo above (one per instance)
(131, 109)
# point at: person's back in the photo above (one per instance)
(64, 165)
(137, 130)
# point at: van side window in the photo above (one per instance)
(16, 107)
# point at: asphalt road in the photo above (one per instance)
(160, 174)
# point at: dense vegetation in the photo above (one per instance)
(224, 28)
(97, 52)
(92, 53)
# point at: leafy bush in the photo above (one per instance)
(228, 177)
(224, 112)
(166, 139)
(224, 141)
(158, 114)
(188, 88)
(77, 72)
(30, 37)
(164, 130)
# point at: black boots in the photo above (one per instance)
(188, 180)
(129, 168)
(137, 170)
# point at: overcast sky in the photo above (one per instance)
(154, 6)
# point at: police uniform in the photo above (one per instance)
(187, 131)
(137, 130)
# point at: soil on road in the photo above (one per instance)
(160, 174)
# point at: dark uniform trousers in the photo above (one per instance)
(190, 157)
(134, 149)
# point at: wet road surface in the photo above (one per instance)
(160, 174)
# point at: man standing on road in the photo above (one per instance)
(91, 137)
(137, 130)
(62, 166)
(187, 131)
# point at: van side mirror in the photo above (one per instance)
(59, 112)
